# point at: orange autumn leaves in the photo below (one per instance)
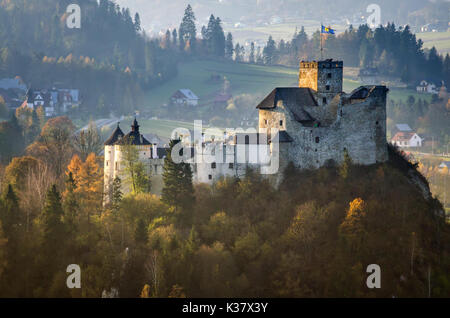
(88, 177)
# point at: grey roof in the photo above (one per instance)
(116, 136)
(403, 127)
(363, 92)
(12, 83)
(134, 137)
(294, 98)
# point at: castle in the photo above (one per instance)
(309, 125)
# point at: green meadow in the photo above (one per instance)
(258, 80)
(440, 40)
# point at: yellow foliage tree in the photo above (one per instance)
(145, 293)
(352, 228)
(89, 181)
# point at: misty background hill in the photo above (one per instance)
(161, 14)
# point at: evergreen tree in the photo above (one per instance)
(269, 52)
(140, 234)
(70, 204)
(116, 195)
(178, 190)
(53, 227)
(251, 57)
(10, 212)
(229, 49)
(188, 30)
(174, 37)
(137, 22)
(239, 53)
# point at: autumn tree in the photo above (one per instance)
(353, 229)
(88, 177)
(135, 172)
(88, 141)
(54, 145)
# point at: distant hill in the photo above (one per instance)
(160, 14)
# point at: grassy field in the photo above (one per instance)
(440, 40)
(244, 79)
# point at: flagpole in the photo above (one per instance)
(321, 41)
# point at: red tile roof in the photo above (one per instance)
(403, 136)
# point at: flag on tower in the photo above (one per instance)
(327, 30)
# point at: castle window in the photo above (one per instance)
(247, 140)
(327, 87)
(117, 165)
(265, 121)
(213, 165)
(210, 177)
(329, 75)
(107, 163)
(317, 140)
(281, 123)
(230, 165)
(324, 100)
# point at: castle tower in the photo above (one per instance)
(323, 77)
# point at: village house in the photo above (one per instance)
(41, 98)
(426, 88)
(54, 101)
(407, 139)
(184, 96)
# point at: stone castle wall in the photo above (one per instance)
(359, 128)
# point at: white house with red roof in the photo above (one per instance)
(407, 139)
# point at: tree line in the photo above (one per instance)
(393, 51)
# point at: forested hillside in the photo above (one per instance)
(108, 58)
(238, 238)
